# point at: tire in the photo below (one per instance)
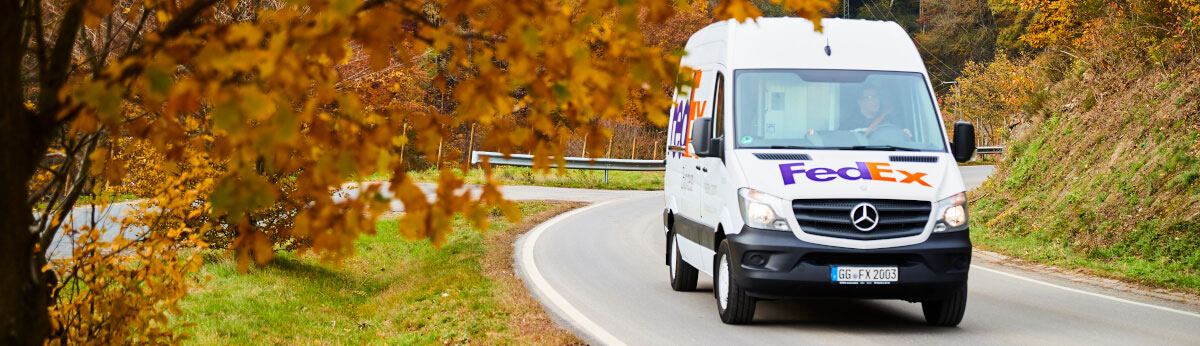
(734, 306)
(947, 312)
(683, 275)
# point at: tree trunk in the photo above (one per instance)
(24, 292)
(633, 151)
(583, 152)
(608, 152)
(470, 149)
(24, 295)
(403, 133)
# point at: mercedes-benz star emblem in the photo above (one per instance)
(864, 217)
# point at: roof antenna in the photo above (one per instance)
(828, 52)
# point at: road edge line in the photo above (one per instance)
(551, 296)
(1094, 294)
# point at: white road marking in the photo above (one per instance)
(552, 296)
(1097, 295)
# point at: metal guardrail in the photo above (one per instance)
(989, 150)
(525, 160)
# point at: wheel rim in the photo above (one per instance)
(723, 283)
(674, 257)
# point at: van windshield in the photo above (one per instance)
(834, 109)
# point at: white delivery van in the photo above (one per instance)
(815, 165)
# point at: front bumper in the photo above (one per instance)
(797, 269)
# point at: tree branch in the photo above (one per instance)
(181, 23)
(138, 29)
(54, 74)
(68, 203)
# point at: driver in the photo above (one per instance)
(871, 114)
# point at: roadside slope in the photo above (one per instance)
(1107, 179)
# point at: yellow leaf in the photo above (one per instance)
(737, 9)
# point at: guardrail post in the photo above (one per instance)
(606, 176)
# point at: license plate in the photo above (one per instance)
(851, 274)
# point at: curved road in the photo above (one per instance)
(106, 216)
(600, 269)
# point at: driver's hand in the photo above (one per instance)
(909, 133)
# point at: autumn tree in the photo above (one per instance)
(993, 96)
(243, 102)
(954, 33)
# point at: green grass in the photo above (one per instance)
(573, 178)
(393, 291)
(1127, 220)
(89, 199)
(1122, 261)
(982, 160)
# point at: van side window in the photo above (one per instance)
(719, 107)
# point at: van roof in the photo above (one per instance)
(791, 43)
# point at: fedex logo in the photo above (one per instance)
(860, 171)
(684, 112)
(680, 120)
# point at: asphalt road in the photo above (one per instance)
(600, 271)
(973, 176)
(106, 217)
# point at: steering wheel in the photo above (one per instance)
(889, 133)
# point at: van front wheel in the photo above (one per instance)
(946, 312)
(733, 304)
(683, 275)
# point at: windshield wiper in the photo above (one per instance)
(879, 147)
(793, 147)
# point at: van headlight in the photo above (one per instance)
(952, 213)
(760, 210)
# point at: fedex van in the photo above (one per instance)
(815, 165)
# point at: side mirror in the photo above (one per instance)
(702, 142)
(963, 146)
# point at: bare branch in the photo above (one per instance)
(182, 22)
(55, 73)
(137, 30)
(64, 209)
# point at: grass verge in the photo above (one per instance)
(393, 291)
(106, 198)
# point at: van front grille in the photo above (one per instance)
(777, 156)
(913, 158)
(831, 217)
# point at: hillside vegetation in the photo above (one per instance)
(1102, 170)
(1108, 181)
